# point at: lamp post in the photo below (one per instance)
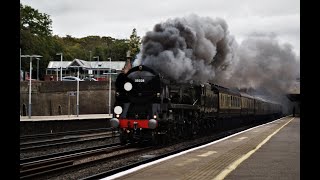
(98, 71)
(30, 77)
(20, 66)
(77, 89)
(109, 86)
(60, 65)
(78, 93)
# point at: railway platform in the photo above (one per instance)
(65, 117)
(269, 151)
(62, 123)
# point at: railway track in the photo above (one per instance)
(55, 135)
(35, 167)
(104, 161)
(64, 140)
(172, 149)
(48, 156)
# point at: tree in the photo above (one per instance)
(34, 21)
(36, 38)
(134, 43)
(118, 50)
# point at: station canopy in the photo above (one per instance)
(86, 65)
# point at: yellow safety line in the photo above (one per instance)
(234, 165)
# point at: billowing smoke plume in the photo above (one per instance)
(190, 48)
(201, 49)
(263, 63)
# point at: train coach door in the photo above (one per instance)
(215, 102)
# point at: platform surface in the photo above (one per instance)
(270, 151)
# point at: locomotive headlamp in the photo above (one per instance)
(158, 94)
(118, 110)
(128, 86)
(117, 115)
(154, 116)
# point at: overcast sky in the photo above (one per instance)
(117, 18)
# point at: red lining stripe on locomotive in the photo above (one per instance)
(142, 123)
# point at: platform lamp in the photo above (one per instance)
(77, 89)
(109, 86)
(60, 65)
(30, 77)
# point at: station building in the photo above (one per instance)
(96, 69)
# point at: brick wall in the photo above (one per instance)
(51, 98)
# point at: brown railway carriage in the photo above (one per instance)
(247, 104)
(258, 107)
(247, 108)
(229, 102)
(264, 109)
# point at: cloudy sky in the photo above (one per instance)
(117, 18)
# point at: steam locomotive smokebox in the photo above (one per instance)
(54, 126)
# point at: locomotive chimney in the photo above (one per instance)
(127, 66)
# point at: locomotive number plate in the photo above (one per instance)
(139, 80)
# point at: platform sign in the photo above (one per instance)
(72, 93)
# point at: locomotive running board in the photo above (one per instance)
(184, 106)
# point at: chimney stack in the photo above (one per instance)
(127, 66)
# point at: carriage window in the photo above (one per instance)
(231, 101)
(237, 102)
(223, 100)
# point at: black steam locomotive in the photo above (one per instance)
(149, 107)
